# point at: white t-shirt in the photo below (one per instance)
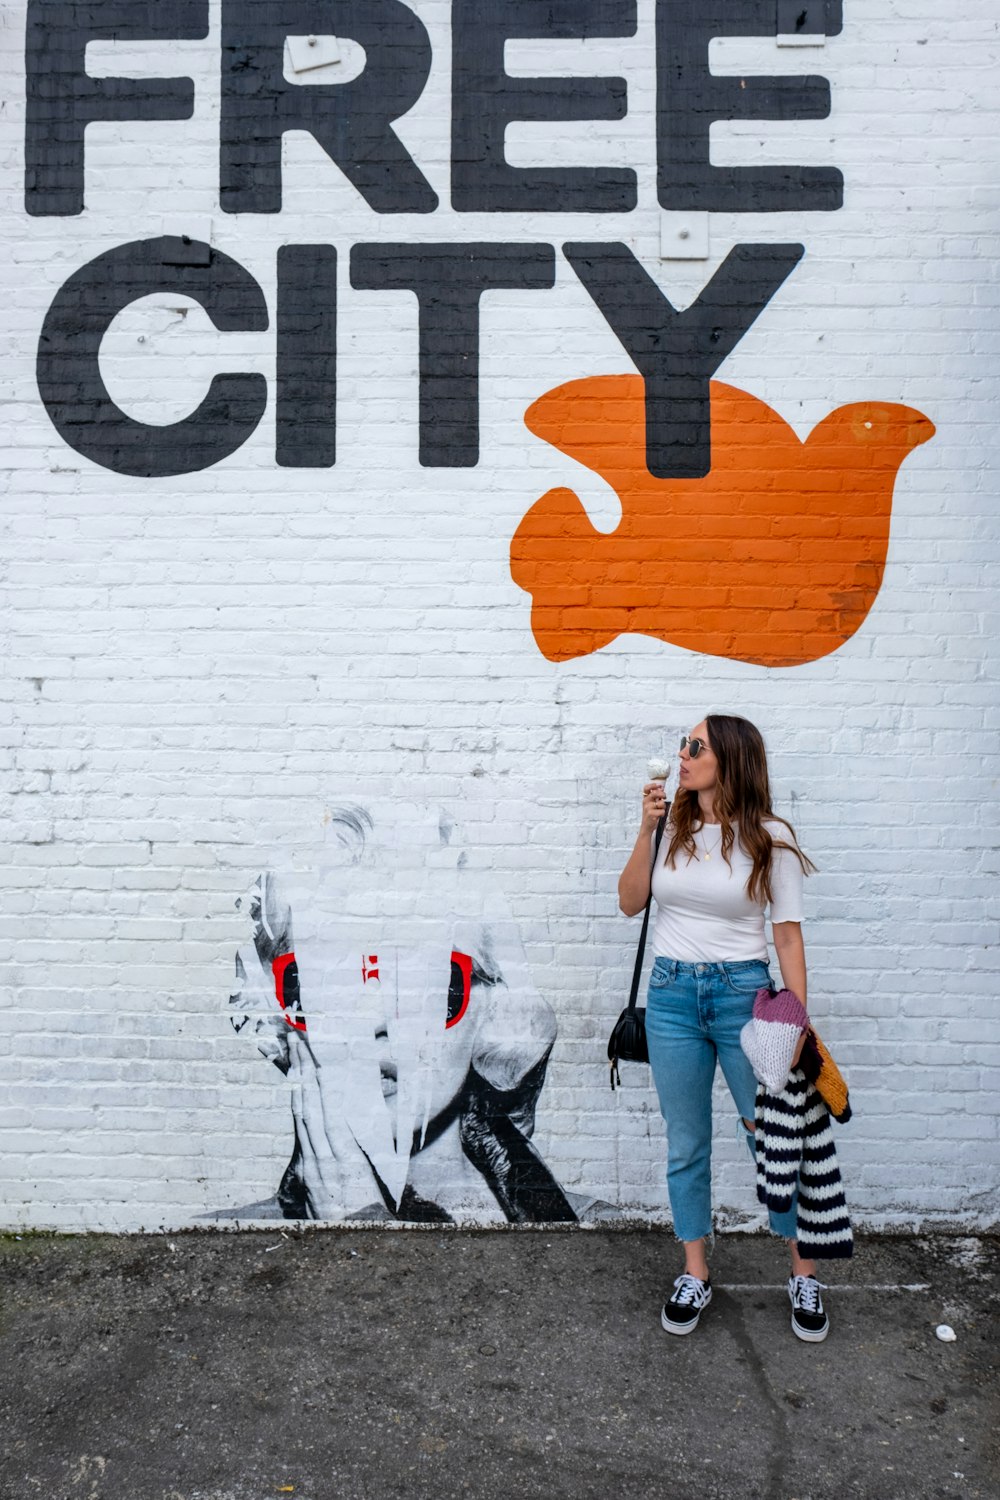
(703, 912)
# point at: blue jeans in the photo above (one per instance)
(694, 1014)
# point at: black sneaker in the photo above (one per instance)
(681, 1313)
(809, 1321)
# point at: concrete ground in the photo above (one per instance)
(347, 1364)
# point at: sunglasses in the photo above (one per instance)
(693, 747)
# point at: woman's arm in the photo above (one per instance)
(633, 884)
(791, 952)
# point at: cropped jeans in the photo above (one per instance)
(694, 1015)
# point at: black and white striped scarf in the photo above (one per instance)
(794, 1148)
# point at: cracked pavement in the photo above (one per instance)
(341, 1364)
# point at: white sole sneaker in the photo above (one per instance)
(806, 1300)
(809, 1335)
(681, 1328)
(689, 1324)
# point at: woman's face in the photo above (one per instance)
(452, 1052)
(699, 773)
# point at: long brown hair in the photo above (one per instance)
(742, 796)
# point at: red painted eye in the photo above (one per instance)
(286, 989)
(459, 989)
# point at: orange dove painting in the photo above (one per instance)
(775, 557)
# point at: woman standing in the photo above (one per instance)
(723, 859)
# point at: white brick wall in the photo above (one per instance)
(198, 668)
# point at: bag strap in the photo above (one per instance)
(634, 994)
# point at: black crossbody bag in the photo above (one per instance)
(628, 1036)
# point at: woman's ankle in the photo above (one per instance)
(695, 1260)
(800, 1267)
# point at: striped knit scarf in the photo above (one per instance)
(794, 1148)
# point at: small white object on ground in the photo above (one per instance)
(658, 770)
(945, 1334)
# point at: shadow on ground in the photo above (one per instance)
(347, 1364)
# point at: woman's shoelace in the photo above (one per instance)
(807, 1290)
(689, 1289)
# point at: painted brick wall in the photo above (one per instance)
(200, 668)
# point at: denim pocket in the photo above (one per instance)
(749, 980)
(660, 979)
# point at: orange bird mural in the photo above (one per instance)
(775, 557)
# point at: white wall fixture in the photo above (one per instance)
(684, 236)
(306, 53)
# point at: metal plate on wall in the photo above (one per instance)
(308, 52)
(684, 236)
